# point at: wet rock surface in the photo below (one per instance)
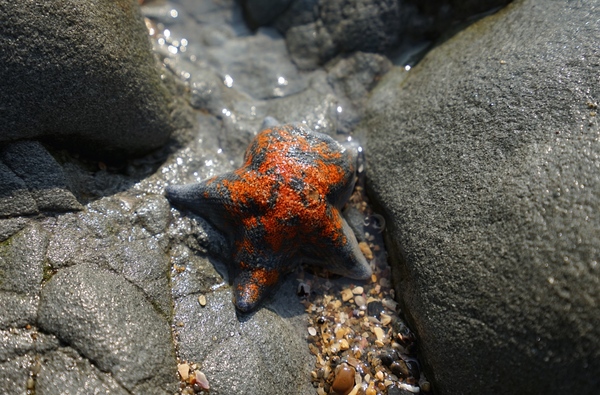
(485, 158)
(110, 322)
(104, 286)
(81, 75)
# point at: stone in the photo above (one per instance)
(13, 376)
(120, 234)
(43, 176)
(355, 75)
(15, 198)
(344, 379)
(484, 159)
(225, 345)
(361, 25)
(21, 261)
(262, 12)
(10, 226)
(109, 321)
(82, 75)
(54, 379)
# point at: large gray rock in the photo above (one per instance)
(110, 322)
(485, 159)
(81, 74)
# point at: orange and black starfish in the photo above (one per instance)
(280, 209)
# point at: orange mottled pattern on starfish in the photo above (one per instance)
(269, 187)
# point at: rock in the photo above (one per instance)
(43, 176)
(54, 379)
(262, 12)
(15, 198)
(232, 349)
(361, 25)
(13, 377)
(21, 273)
(484, 159)
(344, 379)
(110, 322)
(355, 75)
(19, 351)
(81, 75)
(21, 261)
(125, 234)
(10, 226)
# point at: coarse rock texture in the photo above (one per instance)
(110, 322)
(81, 74)
(263, 341)
(81, 376)
(34, 181)
(485, 158)
(21, 273)
(318, 30)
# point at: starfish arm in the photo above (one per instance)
(341, 255)
(251, 286)
(203, 199)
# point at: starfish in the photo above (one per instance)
(281, 208)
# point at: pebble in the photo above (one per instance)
(378, 332)
(344, 379)
(184, 371)
(201, 380)
(202, 300)
(374, 308)
(347, 295)
(385, 319)
(312, 331)
(358, 290)
(366, 250)
(360, 301)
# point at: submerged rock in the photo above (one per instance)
(485, 158)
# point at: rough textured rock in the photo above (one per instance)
(82, 74)
(258, 341)
(340, 26)
(82, 376)
(21, 273)
(318, 30)
(110, 322)
(19, 356)
(485, 158)
(123, 234)
(43, 177)
(15, 198)
(10, 226)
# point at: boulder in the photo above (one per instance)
(81, 74)
(484, 159)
